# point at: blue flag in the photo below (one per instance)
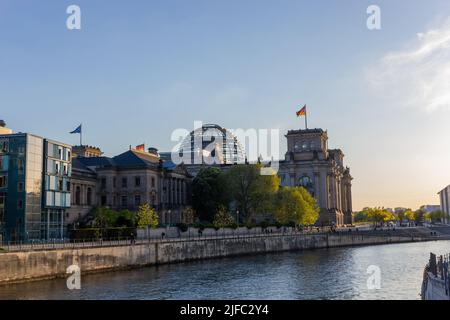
(77, 130)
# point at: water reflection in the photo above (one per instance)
(321, 274)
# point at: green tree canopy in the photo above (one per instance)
(295, 204)
(223, 219)
(147, 217)
(378, 215)
(253, 193)
(209, 192)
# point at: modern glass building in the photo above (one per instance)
(57, 171)
(33, 197)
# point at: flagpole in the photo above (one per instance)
(81, 135)
(306, 119)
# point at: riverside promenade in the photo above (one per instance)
(30, 262)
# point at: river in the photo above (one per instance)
(338, 273)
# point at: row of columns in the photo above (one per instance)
(175, 191)
(82, 196)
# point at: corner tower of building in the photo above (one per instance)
(310, 164)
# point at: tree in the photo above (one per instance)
(378, 215)
(104, 217)
(419, 216)
(436, 216)
(125, 218)
(252, 192)
(222, 219)
(362, 216)
(209, 192)
(295, 204)
(147, 217)
(409, 215)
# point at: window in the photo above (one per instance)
(20, 187)
(20, 204)
(153, 182)
(65, 169)
(114, 182)
(307, 183)
(56, 168)
(4, 146)
(78, 196)
(153, 198)
(68, 186)
(20, 165)
(137, 200)
(103, 201)
(89, 196)
(3, 181)
(60, 185)
(69, 156)
(103, 183)
(124, 201)
(60, 155)
(2, 200)
(124, 182)
(137, 181)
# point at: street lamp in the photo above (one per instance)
(237, 218)
(170, 217)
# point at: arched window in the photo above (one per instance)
(78, 195)
(89, 196)
(306, 183)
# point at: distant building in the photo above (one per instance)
(210, 145)
(4, 129)
(34, 187)
(86, 151)
(427, 208)
(310, 164)
(127, 181)
(444, 196)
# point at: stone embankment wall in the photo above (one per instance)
(46, 264)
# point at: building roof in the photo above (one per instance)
(95, 161)
(303, 131)
(135, 158)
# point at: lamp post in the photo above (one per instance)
(237, 218)
(170, 217)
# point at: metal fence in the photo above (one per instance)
(127, 241)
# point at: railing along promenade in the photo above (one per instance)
(95, 243)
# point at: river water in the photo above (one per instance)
(339, 273)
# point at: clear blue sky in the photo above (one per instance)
(137, 70)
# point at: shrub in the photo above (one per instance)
(264, 224)
(200, 225)
(290, 224)
(183, 227)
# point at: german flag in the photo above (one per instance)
(140, 147)
(302, 111)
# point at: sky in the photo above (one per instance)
(138, 70)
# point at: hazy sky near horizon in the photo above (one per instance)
(137, 70)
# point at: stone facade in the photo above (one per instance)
(309, 163)
(83, 192)
(128, 181)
